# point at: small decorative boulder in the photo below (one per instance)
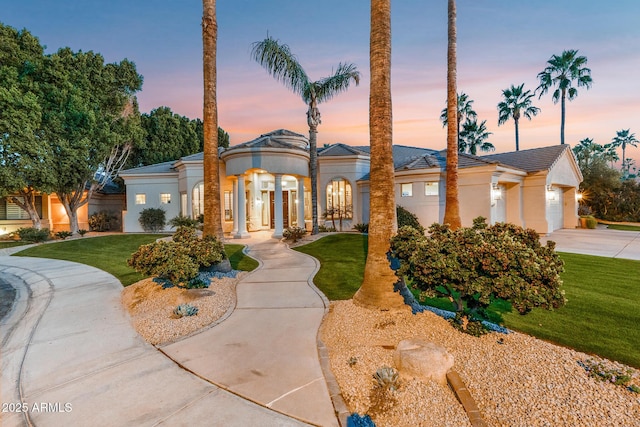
(423, 359)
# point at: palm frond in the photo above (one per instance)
(328, 87)
(283, 65)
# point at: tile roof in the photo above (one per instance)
(166, 167)
(533, 160)
(280, 138)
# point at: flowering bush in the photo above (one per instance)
(472, 266)
(180, 259)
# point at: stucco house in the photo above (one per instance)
(265, 185)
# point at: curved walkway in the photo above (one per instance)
(71, 357)
(266, 351)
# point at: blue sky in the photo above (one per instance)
(499, 43)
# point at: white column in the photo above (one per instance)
(301, 202)
(277, 209)
(242, 213)
(235, 207)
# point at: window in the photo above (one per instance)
(339, 201)
(10, 210)
(141, 199)
(228, 205)
(197, 200)
(406, 189)
(165, 198)
(431, 188)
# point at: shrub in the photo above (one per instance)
(325, 229)
(82, 232)
(294, 233)
(363, 228)
(183, 221)
(406, 218)
(103, 221)
(152, 219)
(33, 235)
(592, 222)
(63, 234)
(179, 260)
(357, 420)
(185, 310)
(472, 266)
(614, 375)
(387, 378)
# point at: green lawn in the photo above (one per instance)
(110, 253)
(623, 227)
(342, 258)
(601, 315)
(11, 244)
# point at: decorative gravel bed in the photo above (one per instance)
(151, 307)
(516, 380)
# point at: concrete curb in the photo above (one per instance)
(465, 398)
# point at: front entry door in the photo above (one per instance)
(285, 208)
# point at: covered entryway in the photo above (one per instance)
(274, 167)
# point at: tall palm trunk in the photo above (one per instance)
(515, 120)
(562, 109)
(212, 210)
(313, 120)
(452, 205)
(377, 285)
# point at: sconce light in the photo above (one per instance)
(496, 192)
(579, 196)
(551, 194)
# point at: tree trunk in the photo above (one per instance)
(313, 120)
(517, 136)
(376, 290)
(26, 200)
(562, 110)
(452, 204)
(212, 209)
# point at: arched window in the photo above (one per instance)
(197, 200)
(339, 199)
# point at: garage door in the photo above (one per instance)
(554, 208)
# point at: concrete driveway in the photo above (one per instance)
(600, 242)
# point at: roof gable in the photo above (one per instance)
(532, 160)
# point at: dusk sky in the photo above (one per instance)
(499, 43)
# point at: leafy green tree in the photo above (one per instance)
(24, 163)
(87, 113)
(561, 72)
(474, 137)
(623, 139)
(516, 103)
(278, 60)
(464, 113)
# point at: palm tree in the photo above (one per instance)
(610, 154)
(517, 103)
(474, 137)
(586, 151)
(562, 71)
(278, 60)
(212, 209)
(452, 204)
(465, 112)
(376, 290)
(622, 139)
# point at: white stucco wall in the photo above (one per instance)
(151, 187)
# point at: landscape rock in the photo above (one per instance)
(424, 360)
